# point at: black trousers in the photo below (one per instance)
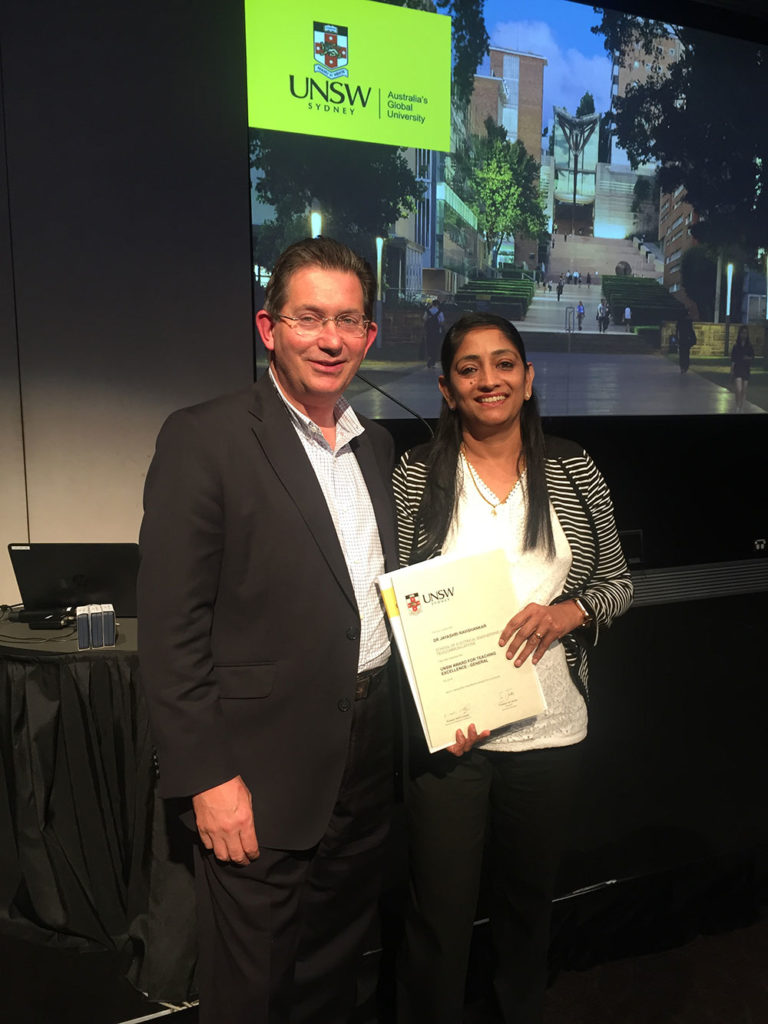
(280, 938)
(516, 806)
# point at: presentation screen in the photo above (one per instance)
(566, 167)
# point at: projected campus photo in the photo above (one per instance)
(595, 177)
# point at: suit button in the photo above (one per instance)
(344, 704)
(352, 633)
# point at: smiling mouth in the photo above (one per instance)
(491, 399)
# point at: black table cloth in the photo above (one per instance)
(90, 858)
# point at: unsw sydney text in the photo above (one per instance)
(342, 98)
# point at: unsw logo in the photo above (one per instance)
(330, 60)
(414, 601)
(331, 50)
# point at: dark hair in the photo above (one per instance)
(438, 502)
(326, 253)
(745, 329)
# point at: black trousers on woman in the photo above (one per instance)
(518, 805)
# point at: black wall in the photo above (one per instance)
(127, 181)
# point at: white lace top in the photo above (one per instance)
(536, 578)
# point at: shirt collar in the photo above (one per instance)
(347, 423)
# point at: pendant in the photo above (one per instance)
(493, 510)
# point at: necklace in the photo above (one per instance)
(475, 476)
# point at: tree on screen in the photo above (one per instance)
(360, 188)
(499, 179)
(271, 237)
(697, 115)
(586, 105)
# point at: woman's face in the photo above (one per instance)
(488, 381)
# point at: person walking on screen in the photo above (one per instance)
(628, 317)
(605, 317)
(263, 647)
(686, 339)
(742, 355)
(433, 332)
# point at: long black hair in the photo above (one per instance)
(743, 330)
(438, 503)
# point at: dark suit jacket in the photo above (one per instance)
(248, 625)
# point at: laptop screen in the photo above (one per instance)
(63, 575)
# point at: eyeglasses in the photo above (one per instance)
(310, 326)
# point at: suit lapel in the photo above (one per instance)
(381, 498)
(283, 450)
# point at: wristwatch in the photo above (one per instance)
(588, 617)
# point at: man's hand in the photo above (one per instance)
(225, 821)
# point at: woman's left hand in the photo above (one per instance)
(535, 627)
(464, 744)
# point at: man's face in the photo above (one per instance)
(313, 373)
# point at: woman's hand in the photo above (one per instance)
(464, 744)
(535, 627)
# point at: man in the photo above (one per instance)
(263, 647)
(603, 316)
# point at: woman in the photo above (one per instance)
(491, 480)
(742, 355)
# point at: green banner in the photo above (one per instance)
(350, 69)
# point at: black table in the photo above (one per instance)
(90, 857)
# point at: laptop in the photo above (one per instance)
(64, 575)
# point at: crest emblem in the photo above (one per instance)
(413, 603)
(331, 49)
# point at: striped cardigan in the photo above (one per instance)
(582, 503)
